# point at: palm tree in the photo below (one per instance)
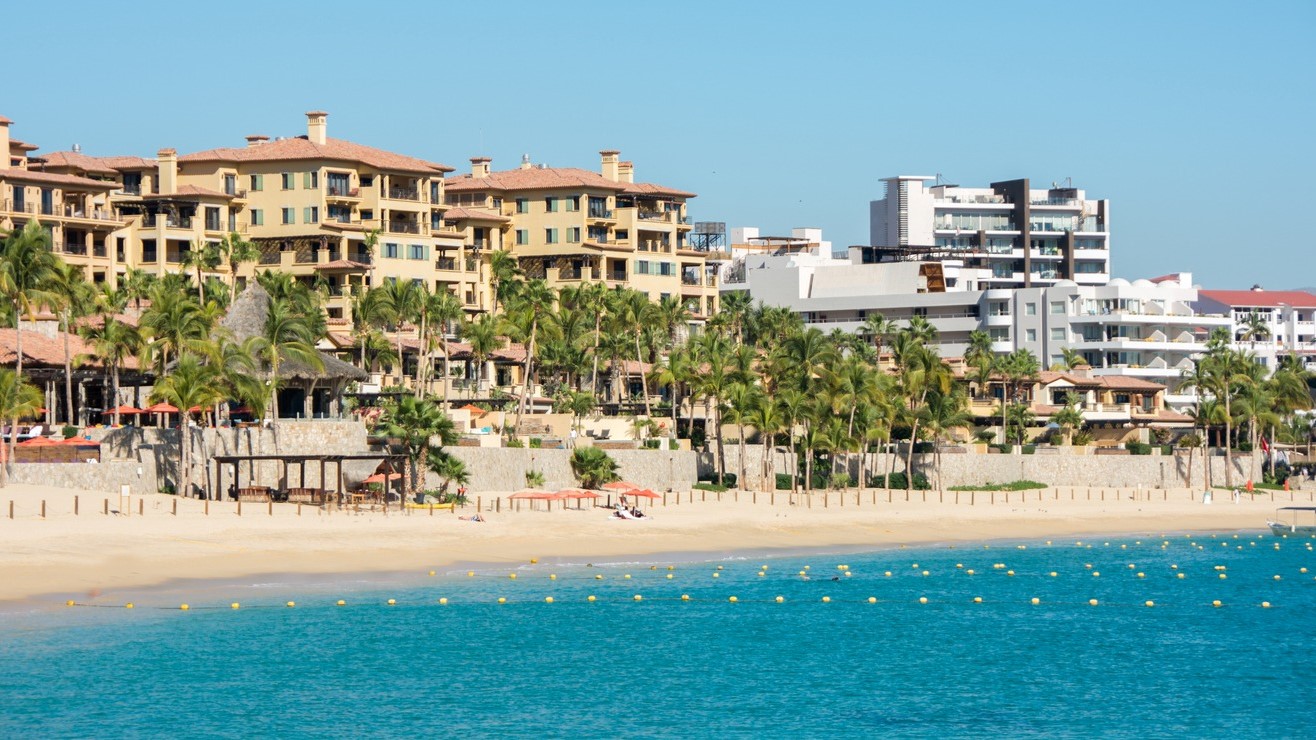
(287, 335)
(73, 297)
(593, 466)
(416, 422)
(1073, 358)
(735, 307)
(175, 324)
(1070, 417)
(375, 350)
(742, 400)
(449, 469)
(114, 343)
(191, 383)
(484, 336)
(1254, 327)
(504, 274)
(576, 403)
(370, 310)
(672, 316)
(1017, 368)
(25, 265)
(402, 299)
(530, 304)
(136, 285)
(922, 373)
(444, 312)
(767, 418)
(943, 413)
(236, 251)
(18, 400)
(878, 328)
(1221, 373)
(203, 257)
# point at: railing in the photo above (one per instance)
(616, 276)
(98, 214)
(971, 199)
(149, 256)
(445, 263)
(1055, 202)
(690, 280)
(269, 258)
(479, 244)
(364, 258)
(99, 250)
(71, 248)
(600, 212)
(471, 264)
(653, 216)
(402, 227)
(343, 191)
(575, 273)
(403, 194)
(213, 226)
(236, 193)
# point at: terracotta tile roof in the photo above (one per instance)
(1268, 298)
(128, 163)
(648, 188)
(343, 265)
(459, 213)
(41, 350)
(301, 148)
(511, 353)
(1109, 382)
(16, 144)
(1163, 415)
(634, 367)
(5, 121)
(185, 191)
(533, 178)
(77, 161)
(50, 178)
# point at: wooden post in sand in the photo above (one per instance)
(973, 498)
(271, 507)
(755, 498)
(479, 504)
(11, 509)
(75, 506)
(498, 504)
(239, 507)
(207, 507)
(772, 498)
(141, 506)
(106, 512)
(43, 507)
(175, 506)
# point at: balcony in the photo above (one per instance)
(20, 207)
(364, 258)
(690, 280)
(575, 273)
(77, 248)
(403, 194)
(604, 214)
(654, 216)
(446, 263)
(343, 191)
(403, 227)
(95, 214)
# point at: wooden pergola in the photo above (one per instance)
(396, 462)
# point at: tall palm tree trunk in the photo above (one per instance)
(18, 371)
(1229, 454)
(422, 358)
(594, 376)
(644, 377)
(740, 476)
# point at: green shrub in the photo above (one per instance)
(1082, 438)
(1167, 449)
(839, 481)
(1003, 449)
(515, 442)
(783, 482)
(652, 444)
(1028, 449)
(728, 480)
(70, 432)
(536, 443)
(534, 478)
(924, 448)
(673, 444)
(1019, 485)
(1138, 448)
(703, 486)
(984, 436)
(593, 466)
(897, 481)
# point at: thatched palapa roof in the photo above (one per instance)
(246, 318)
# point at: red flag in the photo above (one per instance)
(1265, 447)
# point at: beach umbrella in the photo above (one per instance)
(534, 494)
(79, 441)
(382, 477)
(161, 408)
(38, 442)
(620, 485)
(475, 410)
(576, 493)
(122, 411)
(643, 493)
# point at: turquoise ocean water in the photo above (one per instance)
(661, 666)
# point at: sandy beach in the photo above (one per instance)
(94, 555)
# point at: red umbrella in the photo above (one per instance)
(576, 493)
(643, 493)
(37, 442)
(535, 494)
(620, 485)
(380, 477)
(122, 411)
(161, 408)
(79, 441)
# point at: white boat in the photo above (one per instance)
(1293, 527)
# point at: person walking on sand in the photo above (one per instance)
(1237, 495)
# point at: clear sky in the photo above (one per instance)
(1194, 118)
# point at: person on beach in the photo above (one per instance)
(471, 518)
(1237, 495)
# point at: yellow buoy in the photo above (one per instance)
(914, 566)
(291, 604)
(977, 599)
(342, 603)
(512, 576)
(552, 576)
(719, 567)
(533, 561)
(639, 597)
(502, 600)
(1036, 601)
(470, 574)
(827, 599)
(1265, 605)
(959, 565)
(590, 598)
(1131, 566)
(685, 597)
(780, 599)
(70, 602)
(129, 605)
(548, 599)
(717, 575)
(653, 567)
(1054, 574)
(872, 599)
(1277, 578)
(922, 599)
(733, 599)
(1150, 603)
(443, 601)
(888, 573)
(848, 574)
(184, 607)
(1180, 575)
(1092, 602)
(925, 573)
(1222, 575)
(761, 574)
(598, 578)
(431, 572)
(1009, 573)
(1096, 574)
(1141, 574)
(1302, 570)
(627, 576)
(1215, 603)
(669, 576)
(803, 573)
(234, 605)
(392, 602)
(969, 571)
(673, 567)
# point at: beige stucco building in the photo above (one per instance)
(570, 225)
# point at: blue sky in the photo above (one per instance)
(1195, 119)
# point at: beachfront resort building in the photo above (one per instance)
(569, 226)
(1267, 323)
(1144, 329)
(1006, 235)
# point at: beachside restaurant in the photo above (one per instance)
(328, 487)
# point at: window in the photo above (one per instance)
(434, 192)
(367, 181)
(642, 267)
(212, 218)
(573, 203)
(1057, 308)
(1030, 309)
(1057, 335)
(522, 206)
(623, 234)
(1058, 360)
(999, 334)
(1030, 335)
(311, 180)
(289, 215)
(573, 235)
(522, 236)
(417, 251)
(367, 215)
(390, 251)
(257, 217)
(550, 236)
(550, 204)
(311, 215)
(666, 268)
(230, 184)
(257, 183)
(598, 234)
(287, 181)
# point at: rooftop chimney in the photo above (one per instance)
(480, 166)
(525, 161)
(167, 171)
(257, 139)
(626, 171)
(317, 127)
(609, 169)
(4, 143)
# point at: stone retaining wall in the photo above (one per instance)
(103, 477)
(1147, 471)
(504, 469)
